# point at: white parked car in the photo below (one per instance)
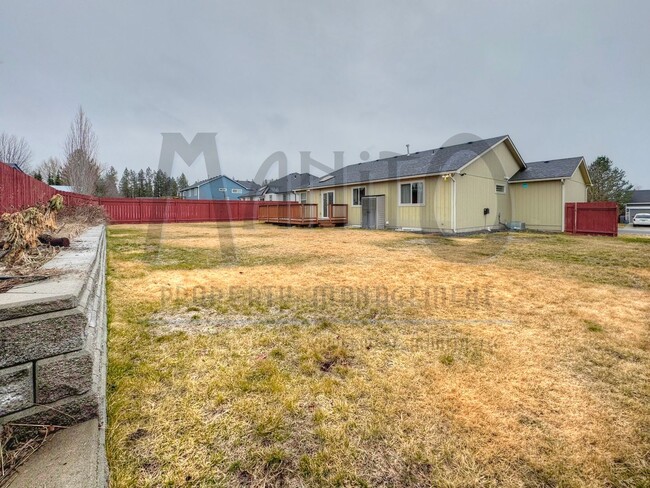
(641, 219)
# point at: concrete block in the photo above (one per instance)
(62, 376)
(41, 336)
(60, 292)
(65, 412)
(16, 389)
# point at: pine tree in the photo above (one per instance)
(133, 183)
(609, 183)
(172, 188)
(182, 182)
(125, 184)
(148, 186)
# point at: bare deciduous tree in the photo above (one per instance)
(15, 151)
(81, 170)
(50, 169)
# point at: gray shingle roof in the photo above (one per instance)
(548, 170)
(433, 161)
(286, 184)
(208, 180)
(292, 182)
(248, 184)
(641, 196)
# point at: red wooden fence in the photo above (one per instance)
(597, 218)
(18, 190)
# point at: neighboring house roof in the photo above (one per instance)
(13, 165)
(555, 169)
(286, 184)
(442, 160)
(255, 193)
(640, 196)
(248, 184)
(205, 182)
(63, 188)
(292, 182)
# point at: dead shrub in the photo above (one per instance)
(22, 228)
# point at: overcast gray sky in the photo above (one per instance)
(562, 78)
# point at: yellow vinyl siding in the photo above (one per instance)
(575, 189)
(476, 190)
(538, 204)
(435, 214)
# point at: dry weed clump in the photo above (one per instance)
(73, 220)
(23, 228)
(14, 451)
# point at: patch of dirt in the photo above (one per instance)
(200, 320)
(203, 321)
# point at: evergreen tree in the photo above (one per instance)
(182, 182)
(148, 186)
(609, 183)
(107, 184)
(172, 188)
(133, 183)
(38, 176)
(125, 184)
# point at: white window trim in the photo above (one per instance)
(223, 189)
(399, 194)
(236, 190)
(505, 188)
(352, 195)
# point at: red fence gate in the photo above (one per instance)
(596, 218)
(19, 190)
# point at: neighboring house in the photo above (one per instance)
(640, 203)
(217, 188)
(63, 188)
(284, 189)
(13, 165)
(249, 185)
(461, 188)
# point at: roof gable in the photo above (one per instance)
(210, 180)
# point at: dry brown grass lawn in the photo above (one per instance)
(255, 355)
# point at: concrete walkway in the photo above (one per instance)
(69, 460)
(629, 230)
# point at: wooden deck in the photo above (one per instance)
(306, 214)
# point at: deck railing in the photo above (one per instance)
(338, 213)
(288, 213)
(300, 213)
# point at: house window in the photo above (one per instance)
(501, 189)
(303, 197)
(223, 189)
(357, 195)
(412, 193)
(236, 190)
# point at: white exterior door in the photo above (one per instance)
(327, 200)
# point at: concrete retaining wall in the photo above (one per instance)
(53, 342)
